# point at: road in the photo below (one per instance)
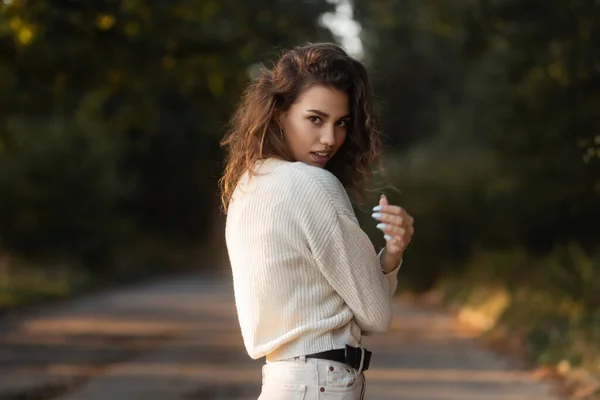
(179, 339)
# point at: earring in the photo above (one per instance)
(281, 133)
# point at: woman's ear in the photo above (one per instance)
(279, 120)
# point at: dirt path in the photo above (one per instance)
(179, 339)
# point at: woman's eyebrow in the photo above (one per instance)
(325, 115)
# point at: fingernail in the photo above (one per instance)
(377, 208)
(387, 237)
(376, 215)
(381, 226)
(382, 196)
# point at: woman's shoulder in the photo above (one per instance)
(313, 184)
(299, 176)
(293, 180)
(280, 186)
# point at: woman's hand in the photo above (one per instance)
(397, 226)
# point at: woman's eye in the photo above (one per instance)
(314, 119)
(342, 123)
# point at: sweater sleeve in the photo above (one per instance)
(391, 276)
(346, 257)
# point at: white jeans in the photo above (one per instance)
(311, 379)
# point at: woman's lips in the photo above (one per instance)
(319, 158)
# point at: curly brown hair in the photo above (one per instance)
(254, 133)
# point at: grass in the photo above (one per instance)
(26, 285)
(24, 282)
(553, 329)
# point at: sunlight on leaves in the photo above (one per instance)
(105, 21)
(15, 23)
(25, 35)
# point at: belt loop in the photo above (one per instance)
(302, 358)
(362, 360)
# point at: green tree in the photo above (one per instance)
(489, 108)
(157, 80)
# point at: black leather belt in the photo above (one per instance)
(353, 356)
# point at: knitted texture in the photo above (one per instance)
(306, 277)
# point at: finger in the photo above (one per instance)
(407, 222)
(395, 242)
(389, 209)
(408, 233)
(391, 229)
(383, 201)
(397, 239)
(386, 218)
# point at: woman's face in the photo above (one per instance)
(315, 126)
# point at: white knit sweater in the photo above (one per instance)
(306, 277)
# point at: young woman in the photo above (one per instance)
(308, 283)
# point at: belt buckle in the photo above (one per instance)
(362, 360)
(352, 361)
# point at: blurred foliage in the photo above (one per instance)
(554, 327)
(23, 284)
(60, 190)
(110, 117)
(491, 113)
(490, 109)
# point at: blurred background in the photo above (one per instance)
(111, 113)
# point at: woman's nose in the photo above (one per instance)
(328, 137)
